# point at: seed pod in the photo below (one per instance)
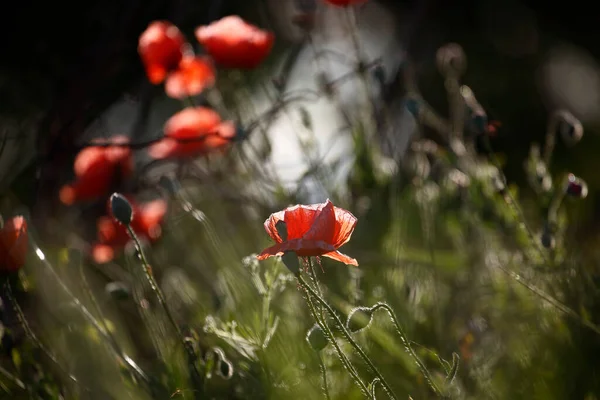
(316, 338)
(121, 209)
(359, 318)
(576, 187)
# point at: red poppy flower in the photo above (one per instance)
(113, 236)
(161, 47)
(345, 3)
(191, 132)
(13, 244)
(233, 43)
(312, 230)
(95, 170)
(190, 78)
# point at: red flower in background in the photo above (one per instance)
(312, 230)
(191, 132)
(166, 55)
(345, 3)
(96, 168)
(161, 47)
(113, 236)
(14, 241)
(233, 43)
(190, 78)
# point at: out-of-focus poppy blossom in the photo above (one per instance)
(161, 47)
(190, 78)
(96, 168)
(345, 3)
(192, 132)
(113, 236)
(233, 43)
(13, 244)
(312, 230)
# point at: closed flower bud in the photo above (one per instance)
(451, 59)
(576, 187)
(359, 318)
(117, 290)
(568, 127)
(121, 209)
(316, 338)
(224, 368)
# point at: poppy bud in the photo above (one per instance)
(359, 318)
(121, 209)
(290, 259)
(224, 369)
(117, 290)
(576, 187)
(547, 239)
(568, 127)
(451, 59)
(316, 338)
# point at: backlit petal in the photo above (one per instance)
(299, 219)
(336, 255)
(345, 223)
(323, 226)
(270, 225)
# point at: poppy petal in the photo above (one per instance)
(304, 248)
(271, 225)
(324, 225)
(345, 223)
(190, 79)
(336, 255)
(299, 219)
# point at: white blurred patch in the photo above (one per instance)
(570, 78)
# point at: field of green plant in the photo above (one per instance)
(199, 272)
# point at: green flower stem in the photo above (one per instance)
(329, 334)
(161, 299)
(407, 345)
(324, 376)
(348, 337)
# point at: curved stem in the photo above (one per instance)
(329, 334)
(407, 345)
(348, 337)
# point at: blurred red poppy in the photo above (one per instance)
(112, 236)
(233, 43)
(190, 78)
(345, 3)
(14, 242)
(312, 230)
(191, 132)
(168, 57)
(96, 168)
(161, 47)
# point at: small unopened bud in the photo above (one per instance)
(121, 209)
(224, 369)
(359, 318)
(576, 187)
(316, 338)
(117, 290)
(290, 259)
(451, 59)
(548, 240)
(569, 127)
